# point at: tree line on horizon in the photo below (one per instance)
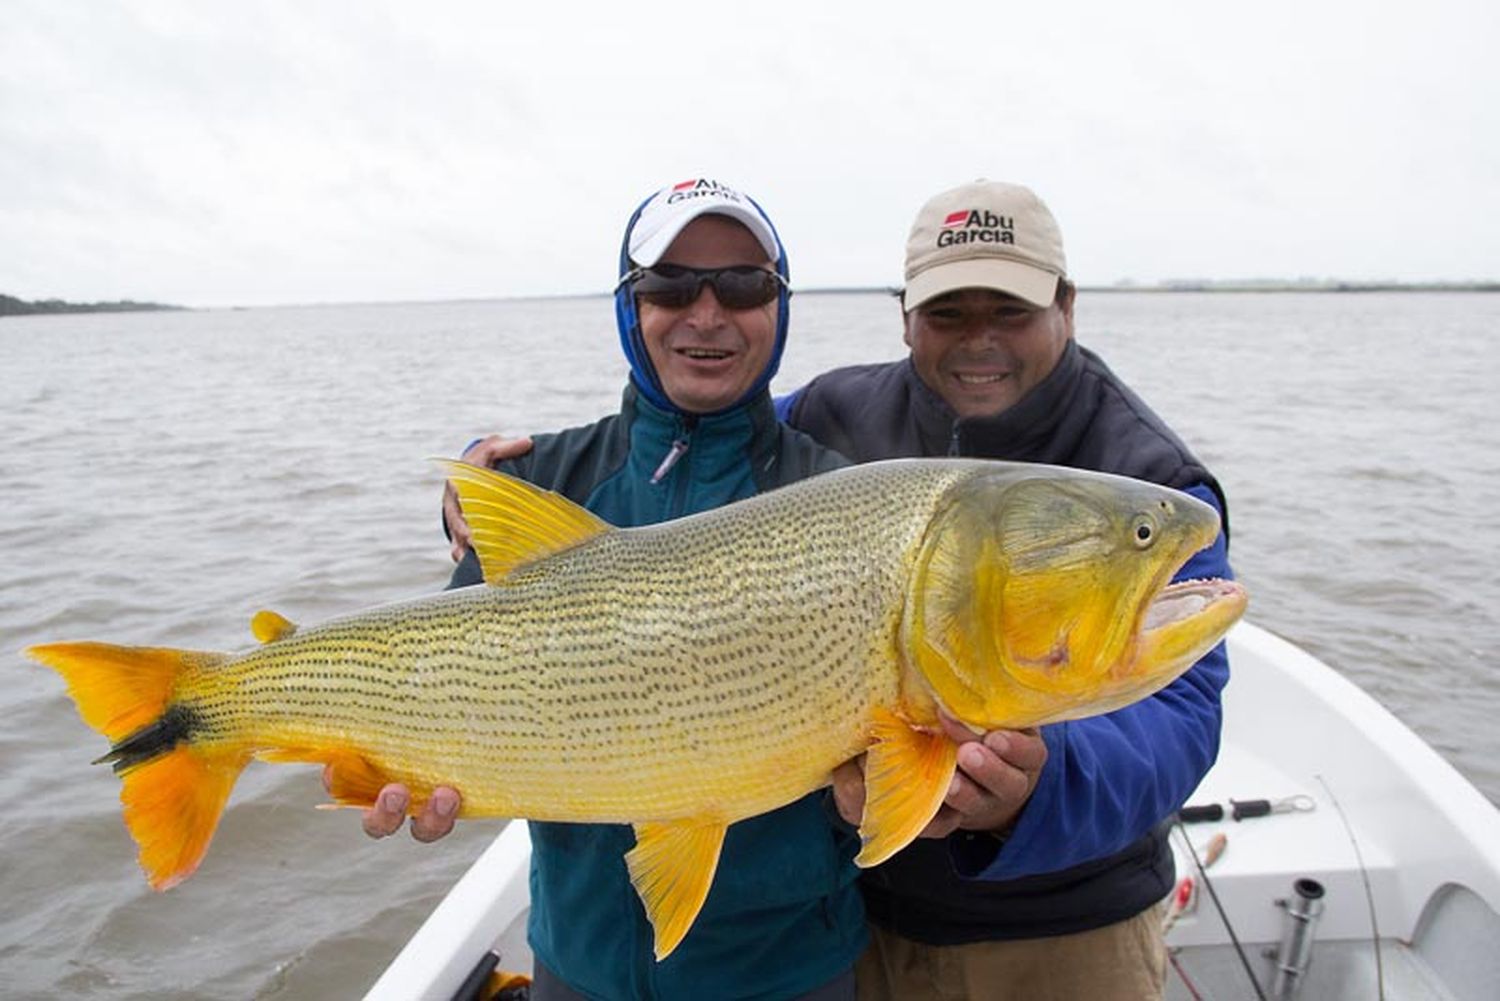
(11, 306)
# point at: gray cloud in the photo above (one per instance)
(290, 152)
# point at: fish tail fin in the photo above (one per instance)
(172, 807)
(174, 789)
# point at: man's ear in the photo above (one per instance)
(1067, 292)
(906, 319)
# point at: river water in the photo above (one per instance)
(165, 475)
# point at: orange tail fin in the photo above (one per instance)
(174, 790)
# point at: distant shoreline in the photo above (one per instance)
(11, 306)
(1226, 286)
(1309, 286)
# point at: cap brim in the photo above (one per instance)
(649, 250)
(1025, 281)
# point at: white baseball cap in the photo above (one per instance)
(669, 210)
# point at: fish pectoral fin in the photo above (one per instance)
(514, 522)
(672, 866)
(907, 774)
(352, 779)
(268, 626)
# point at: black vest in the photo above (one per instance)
(1082, 416)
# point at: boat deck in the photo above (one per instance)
(1406, 851)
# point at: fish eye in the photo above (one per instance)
(1143, 531)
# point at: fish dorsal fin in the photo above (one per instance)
(514, 522)
(268, 627)
(907, 774)
(672, 866)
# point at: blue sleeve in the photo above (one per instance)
(1110, 779)
(784, 404)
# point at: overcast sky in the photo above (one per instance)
(273, 152)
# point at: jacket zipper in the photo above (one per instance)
(678, 450)
(669, 462)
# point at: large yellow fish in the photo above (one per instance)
(684, 676)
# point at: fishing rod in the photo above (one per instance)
(1239, 949)
(1364, 875)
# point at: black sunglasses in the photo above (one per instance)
(674, 286)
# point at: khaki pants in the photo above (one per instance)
(1120, 962)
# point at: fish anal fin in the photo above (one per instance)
(672, 866)
(172, 807)
(514, 522)
(352, 779)
(268, 626)
(907, 775)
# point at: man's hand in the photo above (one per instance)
(484, 452)
(996, 775)
(389, 812)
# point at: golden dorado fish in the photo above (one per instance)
(684, 676)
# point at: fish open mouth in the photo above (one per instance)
(1191, 599)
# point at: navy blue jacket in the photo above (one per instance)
(783, 915)
(1090, 848)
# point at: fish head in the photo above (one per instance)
(1041, 594)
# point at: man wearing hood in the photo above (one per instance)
(702, 313)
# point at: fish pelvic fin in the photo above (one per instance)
(672, 866)
(173, 789)
(352, 779)
(514, 522)
(907, 775)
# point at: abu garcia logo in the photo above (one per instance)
(976, 226)
(701, 187)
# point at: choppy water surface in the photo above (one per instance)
(163, 476)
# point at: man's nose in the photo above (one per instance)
(705, 310)
(983, 329)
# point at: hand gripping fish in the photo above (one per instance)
(684, 676)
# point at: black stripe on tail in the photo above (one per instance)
(174, 726)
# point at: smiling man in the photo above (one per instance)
(1042, 875)
(988, 315)
(704, 362)
(701, 309)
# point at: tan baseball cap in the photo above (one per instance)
(987, 234)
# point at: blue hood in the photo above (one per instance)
(642, 373)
